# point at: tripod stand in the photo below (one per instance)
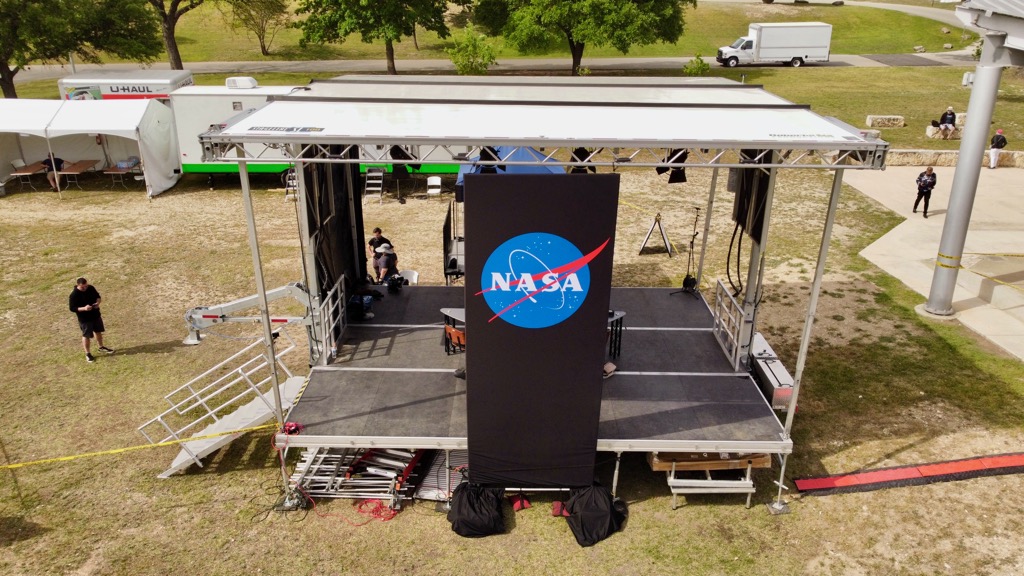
(690, 281)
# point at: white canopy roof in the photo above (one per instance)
(704, 126)
(114, 117)
(27, 116)
(648, 113)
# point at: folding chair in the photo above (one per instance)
(454, 340)
(433, 185)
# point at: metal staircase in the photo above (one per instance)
(233, 395)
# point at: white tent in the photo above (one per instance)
(143, 128)
(23, 131)
(106, 130)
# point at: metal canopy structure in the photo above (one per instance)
(330, 127)
(640, 121)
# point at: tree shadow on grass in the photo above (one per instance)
(16, 529)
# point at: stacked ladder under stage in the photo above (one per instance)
(384, 474)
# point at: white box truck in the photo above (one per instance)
(122, 84)
(793, 43)
(197, 108)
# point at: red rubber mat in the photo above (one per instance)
(913, 475)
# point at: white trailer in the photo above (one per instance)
(792, 43)
(122, 84)
(198, 108)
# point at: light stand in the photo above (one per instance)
(690, 281)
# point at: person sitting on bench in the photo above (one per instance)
(52, 165)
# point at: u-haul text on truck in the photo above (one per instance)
(123, 84)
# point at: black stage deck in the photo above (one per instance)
(392, 385)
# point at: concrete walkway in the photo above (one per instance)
(989, 296)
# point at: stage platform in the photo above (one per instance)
(392, 385)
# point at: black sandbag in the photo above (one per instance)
(593, 515)
(476, 510)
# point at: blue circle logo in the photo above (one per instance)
(536, 280)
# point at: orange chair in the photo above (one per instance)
(454, 340)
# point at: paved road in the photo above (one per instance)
(958, 58)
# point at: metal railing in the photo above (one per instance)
(333, 319)
(728, 316)
(218, 392)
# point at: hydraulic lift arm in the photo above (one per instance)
(202, 317)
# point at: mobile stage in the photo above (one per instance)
(684, 380)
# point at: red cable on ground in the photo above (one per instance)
(914, 474)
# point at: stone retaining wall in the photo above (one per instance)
(1008, 158)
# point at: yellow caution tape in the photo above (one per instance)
(948, 257)
(995, 254)
(996, 280)
(941, 265)
(140, 447)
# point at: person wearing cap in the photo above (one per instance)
(947, 123)
(375, 242)
(388, 261)
(998, 143)
(925, 184)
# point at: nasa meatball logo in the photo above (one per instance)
(536, 280)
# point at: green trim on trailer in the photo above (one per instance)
(231, 168)
(424, 168)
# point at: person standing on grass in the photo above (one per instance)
(997, 145)
(85, 303)
(925, 184)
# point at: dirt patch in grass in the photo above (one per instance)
(880, 388)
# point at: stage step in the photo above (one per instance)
(691, 473)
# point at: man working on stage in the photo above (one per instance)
(85, 303)
(377, 241)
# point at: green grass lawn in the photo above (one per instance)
(203, 35)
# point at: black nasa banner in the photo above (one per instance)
(539, 264)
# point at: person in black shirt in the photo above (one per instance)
(925, 183)
(998, 143)
(52, 165)
(85, 303)
(377, 241)
(947, 123)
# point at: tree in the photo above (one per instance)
(169, 16)
(387, 20)
(535, 25)
(49, 30)
(471, 54)
(264, 18)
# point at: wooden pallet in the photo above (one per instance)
(699, 461)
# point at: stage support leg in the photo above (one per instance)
(615, 475)
(448, 479)
(778, 507)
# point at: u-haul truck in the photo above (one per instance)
(123, 84)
